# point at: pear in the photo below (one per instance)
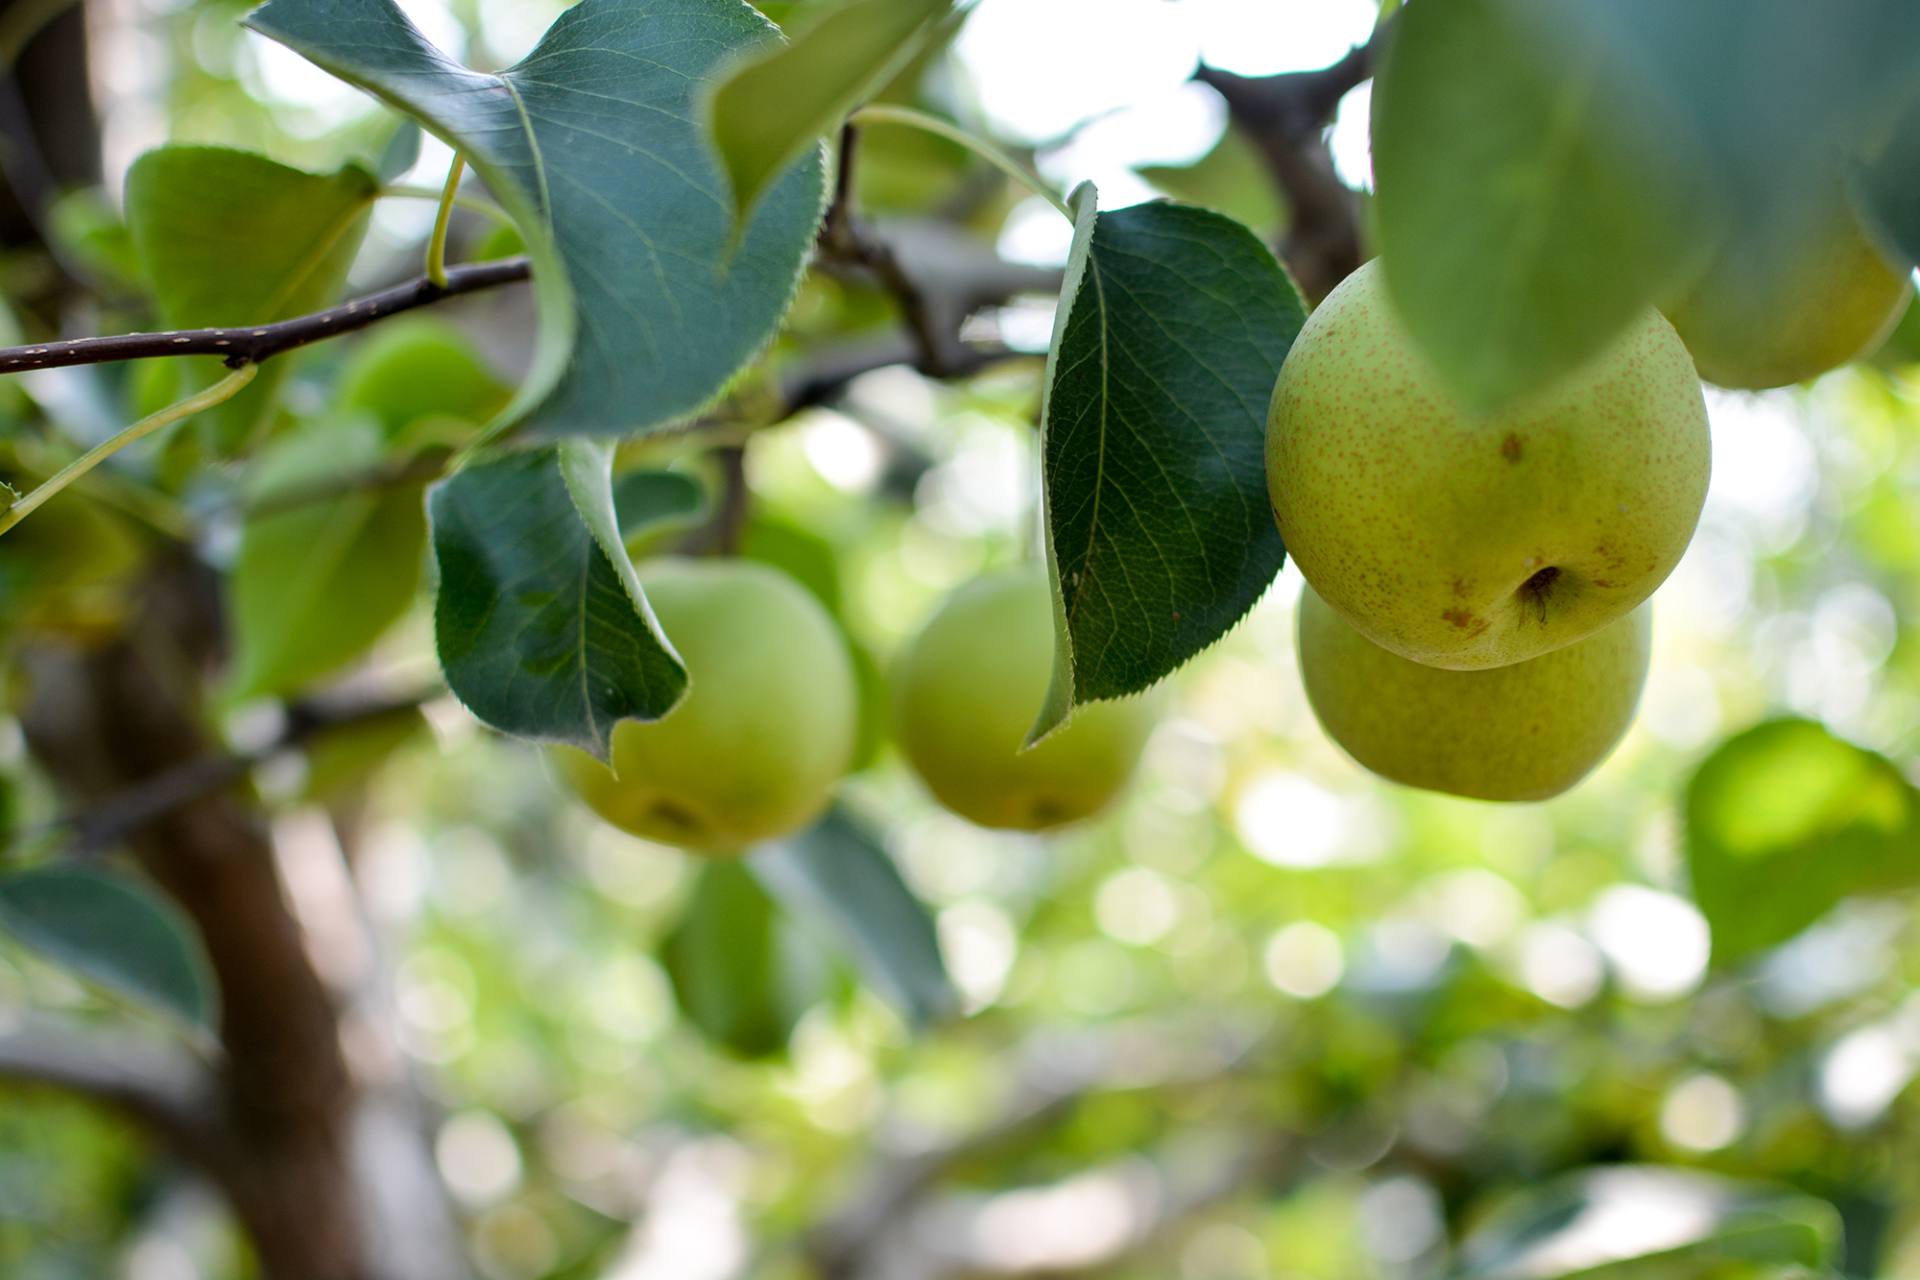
(766, 728)
(967, 689)
(1522, 732)
(1783, 304)
(1471, 541)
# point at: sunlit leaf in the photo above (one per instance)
(232, 238)
(648, 300)
(1159, 529)
(114, 931)
(1785, 820)
(767, 111)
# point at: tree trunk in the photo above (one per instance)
(102, 719)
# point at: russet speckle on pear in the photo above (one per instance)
(1465, 540)
(1528, 731)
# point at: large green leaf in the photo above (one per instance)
(648, 502)
(116, 932)
(317, 581)
(1642, 1222)
(232, 238)
(648, 300)
(740, 972)
(837, 873)
(771, 108)
(1783, 821)
(1537, 188)
(1160, 534)
(542, 628)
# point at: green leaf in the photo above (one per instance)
(1160, 534)
(1230, 179)
(418, 367)
(739, 972)
(647, 500)
(648, 300)
(1537, 189)
(232, 238)
(318, 580)
(1785, 820)
(114, 931)
(402, 152)
(837, 873)
(345, 756)
(1886, 187)
(766, 111)
(542, 628)
(1643, 1222)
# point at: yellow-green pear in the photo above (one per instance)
(766, 727)
(1522, 732)
(1469, 541)
(967, 689)
(1781, 304)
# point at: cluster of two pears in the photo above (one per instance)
(768, 725)
(1475, 618)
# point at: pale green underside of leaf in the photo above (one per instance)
(541, 625)
(648, 302)
(1160, 533)
(116, 932)
(1785, 820)
(837, 873)
(769, 109)
(1536, 190)
(232, 238)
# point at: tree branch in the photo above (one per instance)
(156, 1083)
(251, 345)
(1286, 117)
(107, 822)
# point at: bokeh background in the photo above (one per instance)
(1268, 1018)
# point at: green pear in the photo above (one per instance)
(1522, 732)
(1783, 304)
(966, 691)
(766, 727)
(1471, 541)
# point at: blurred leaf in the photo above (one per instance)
(739, 973)
(1159, 529)
(1643, 1222)
(648, 301)
(1537, 189)
(318, 580)
(1785, 820)
(1230, 179)
(88, 229)
(401, 154)
(543, 630)
(837, 873)
(418, 367)
(768, 110)
(1886, 187)
(645, 500)
(115, 931)
(232, 238)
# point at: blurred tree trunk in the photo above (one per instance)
(48, 128)
(286, 1152)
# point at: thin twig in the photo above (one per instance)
(882, 113)
(244, 346)
(223, 390)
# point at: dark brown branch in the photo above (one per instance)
(108, 822)
(1286, 117)
(251, 345)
